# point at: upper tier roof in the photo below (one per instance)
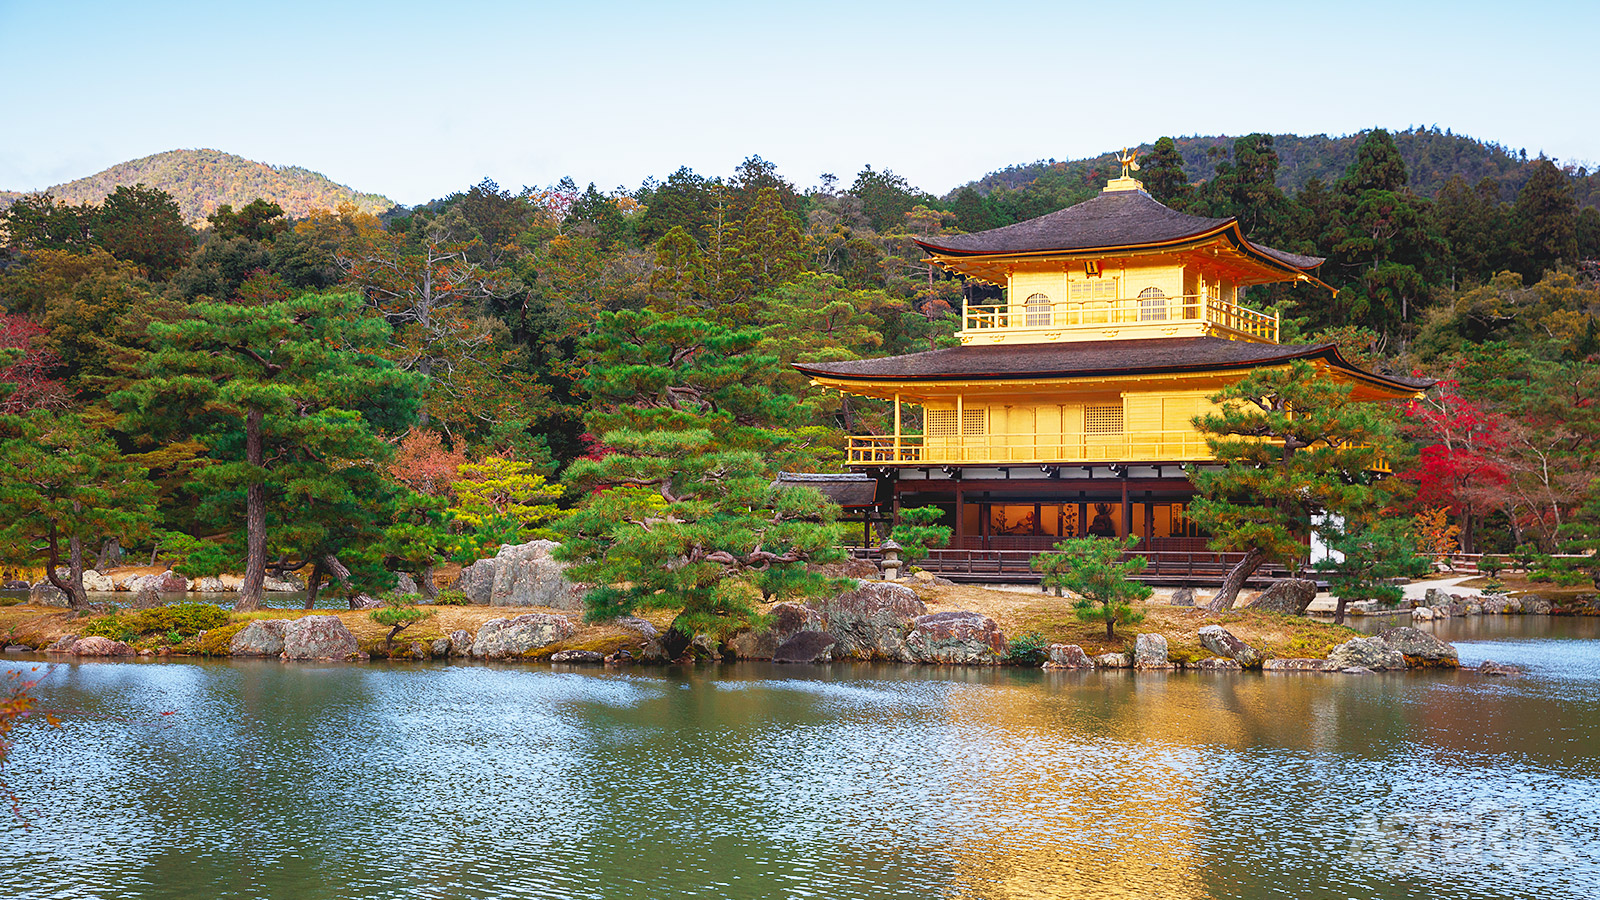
(1116, 219)
(1093, 358)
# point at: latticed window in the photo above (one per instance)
(1036, 311)
(975, 421)
(941, 422)
(1152, 305)
(1102, 420)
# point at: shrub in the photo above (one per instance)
(1491, 565)
(112, 626)
(1028, 649)
(183, 618)
(398, 615)
(451, 597)
(1525, 556)
(1094, 570)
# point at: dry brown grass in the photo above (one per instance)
(1519, 584)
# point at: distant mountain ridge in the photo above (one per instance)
(1431, 156)
(202, 180)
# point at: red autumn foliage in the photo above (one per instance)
(29, 376)
(423, 463)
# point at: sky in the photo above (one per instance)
(418, 100)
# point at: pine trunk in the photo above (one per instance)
(110, 556)
(255, 518)
(1338, 612)
(1231, 585)
(313, 584)
(79, 596)
(430, 591)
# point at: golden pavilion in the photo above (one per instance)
(1067, 409)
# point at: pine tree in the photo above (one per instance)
(1164, 175)
(1290, 443)
(290, 400)
(1546, 218)
(1099, 574)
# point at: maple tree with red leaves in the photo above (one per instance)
(1458, 465)
(29, 375)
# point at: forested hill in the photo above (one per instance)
(1432, 157)
(202, 180)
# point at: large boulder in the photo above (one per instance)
(1150, 651)
(364, 601)
(460, 642)
(1291, 595)
(1220, 641)
(96, 583)
(527, 575)
(1113, 661)
(405, 584)
(281, 585)
(168, 582)
(1068, 656)
(1216, 664)
(1436, 597)
(1183, 597)
(477, 581)
(144, 598)
(208, 584)
(508, 638)
(871, 621)
(1537, 606)
(1367, 653)
(956, 638)
(1421, 650)
(1422, 614)
(262, 637)
(100, 646)
(788, 619)
(318, 637)
(46, 594)
(806, 647)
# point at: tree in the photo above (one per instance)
(682, 511)
(289, 400)
(918, 531)
(1098, 572)
(64, 484)
(1290, 442)
(504, 495)
(1165, 176)
(1371, 553)
(41, 222)
(27, 376)
(144, 226)
(259, 220)
(1546, 217)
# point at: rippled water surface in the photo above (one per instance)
(261, 779)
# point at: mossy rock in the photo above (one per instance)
(604, 645)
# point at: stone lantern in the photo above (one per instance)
(890, 564)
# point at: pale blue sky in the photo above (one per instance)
(416, 100)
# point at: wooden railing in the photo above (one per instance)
(1037, 449)
(1162, 566)
(1060, 314)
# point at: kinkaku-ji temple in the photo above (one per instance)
(1067, 408)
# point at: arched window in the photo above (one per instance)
(1152, 305)
(1036, 311)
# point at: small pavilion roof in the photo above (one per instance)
(1000, 362)
(1115, 220)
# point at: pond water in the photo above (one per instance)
(261, 779)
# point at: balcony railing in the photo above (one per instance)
(1122, 311)
(1036, 449)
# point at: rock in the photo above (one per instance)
(1436, 597)
(871, 621)
(507, 638)
(1291, 595)
(460, 643)
(1537, 606)
(1495, 604)
(365, 601)
(788, 619)
(1183, 597)
(419, 650)
(702, 647)
(63, 644)
(1220, 641)
(1356, 670)
(209, 584)
(527, 575)
(405, 584)
(578, 657)
(46, 594)
(96, 583)
(15, 584)
(144, 598)
(100, 646)
(1216, 664)
(1113, 661)
(806, 647)
(1068, 656)
(1369, 652)
(281, 586)
(1363, 608)
(262, 637)
(1422, 614)
(318, 637)
(1487, 667)
(1150, 651)
(168, 582)
(1420, 649)
(956, 638)
(440, 648)
(1514, 605)
(634, 623)
(1474, 608)
(477, 581)
(18, 648)
(1295, 665)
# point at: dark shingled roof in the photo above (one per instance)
(1089, 358)
(1128, 218)
(843, 488)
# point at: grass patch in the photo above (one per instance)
(215, 641)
